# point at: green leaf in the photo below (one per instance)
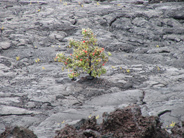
(88, 71)
(109, 53)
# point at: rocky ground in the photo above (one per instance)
(146, 67)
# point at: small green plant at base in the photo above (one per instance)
(171, 125)
(87, 56)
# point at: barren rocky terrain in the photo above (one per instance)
(146, 67)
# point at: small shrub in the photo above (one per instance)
(87, 56)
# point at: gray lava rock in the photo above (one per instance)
(5, 45)
(146, 67)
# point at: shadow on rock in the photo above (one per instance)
(103, 83)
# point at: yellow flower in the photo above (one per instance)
(157, 46)
(65, 3)
(2, 28)
(120, 67)
(89, 116)
(118, 4)
(43, 68)
(17, 58)
(38, 10)
(37, 60)
(158, 68)
(127, 70)
(98, 3)
(63, 122)
(172, 124)
(97, 116)
(113, 67)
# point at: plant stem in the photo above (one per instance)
(90, 65)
